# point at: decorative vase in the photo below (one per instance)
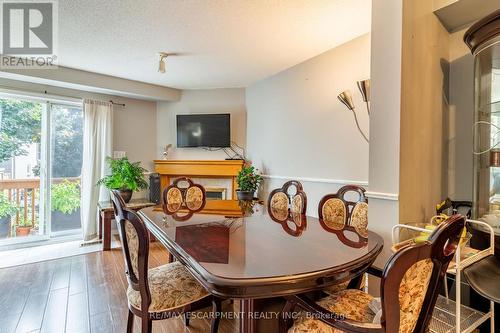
(244, 195)
(126, 195)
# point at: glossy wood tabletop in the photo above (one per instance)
(261, 254)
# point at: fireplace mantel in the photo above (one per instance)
(199, 169)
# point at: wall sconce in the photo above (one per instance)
(346, 99)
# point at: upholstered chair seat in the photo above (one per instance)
(354, 304)
(351, 303)
(171, 287)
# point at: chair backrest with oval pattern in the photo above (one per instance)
(281, 200)
(336, 210)
(418, 270)
(134, 237)
(191, 197)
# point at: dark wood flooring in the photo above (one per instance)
(83, 293)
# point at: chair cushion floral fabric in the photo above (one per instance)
(279, 200)
(342, 286)
(359, 218)
(133, 245)
(334, 212)
(171, 286)
(297, 204)
(174, 199)
(412, 292)
(354, 304)
(279, 214)
(331, 290)
(351, 303)
(194, 198)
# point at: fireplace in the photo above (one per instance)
(216, 193)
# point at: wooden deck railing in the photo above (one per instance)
(24, 193)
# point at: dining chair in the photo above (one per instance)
(347, 207)
(161, 292)
(409, 288)
(191, 197)
(281, 200)
(337, 210)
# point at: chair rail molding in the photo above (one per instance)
(382, 195)
(319, 180)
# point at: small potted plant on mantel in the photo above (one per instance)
(248, 182)
(126, 177)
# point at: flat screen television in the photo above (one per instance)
(203, 130)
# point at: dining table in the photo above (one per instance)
(251, 254)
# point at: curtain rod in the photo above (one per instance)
(45, 93)
(119, 104)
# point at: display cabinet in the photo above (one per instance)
(484, 41)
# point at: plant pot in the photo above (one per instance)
(244, 195)
(126, 195)
(23, 231)
(63, 222)
(5, 227)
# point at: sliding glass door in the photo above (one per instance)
(40, 167)
(66, 148)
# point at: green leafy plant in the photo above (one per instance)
(7, 207)
(65, 196)
(248, 179)
(124, 175)
(24, 222)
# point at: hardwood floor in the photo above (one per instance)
(84, 293)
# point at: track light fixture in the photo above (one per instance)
(161, 65)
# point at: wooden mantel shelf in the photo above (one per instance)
(198, 168)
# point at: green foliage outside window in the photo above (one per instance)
(65, 196)
(7, 207)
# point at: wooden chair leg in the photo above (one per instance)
(146, 325)
(186, 318)
(216, 313)
(286, 319)
(130, 322)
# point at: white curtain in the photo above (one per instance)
(97, 144)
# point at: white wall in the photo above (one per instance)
(297, 128)
(461, 109)
(387, 21)
(231, 100)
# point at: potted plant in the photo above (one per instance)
(126, 177)
(7, 210)
(24, 226)
(248, 182)
(65, 202)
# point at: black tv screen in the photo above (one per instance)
(203, 130)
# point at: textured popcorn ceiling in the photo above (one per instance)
(220, 43)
